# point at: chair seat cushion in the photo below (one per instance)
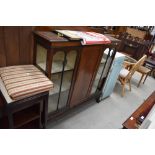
(123, 73)
(24, 81)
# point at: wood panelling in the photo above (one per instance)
(11, 34)
(90, 57)
(78, 28)
(2, 48)
(16, 42)
(144, 109)
(16, 45)
(26, 43)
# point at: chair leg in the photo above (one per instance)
(129, 85)
(153, 74)
(140, 80)
(123, 90)
(145, 78)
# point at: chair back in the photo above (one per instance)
(139, 63)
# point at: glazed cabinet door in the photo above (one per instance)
(61, 74)
(87, 67)
(103, 70)
(61, 64)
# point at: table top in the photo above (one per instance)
(129, 59)
(131, 122)
(150, 61)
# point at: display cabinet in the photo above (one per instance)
(76, 70)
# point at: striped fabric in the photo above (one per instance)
(24, 80)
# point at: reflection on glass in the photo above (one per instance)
(41, 57)
(67, 77)
(57, 67)
(61, 79)
(58, 59)
(104, 66)
(97, 78)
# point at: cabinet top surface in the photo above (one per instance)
(53, 37)
(50, 36)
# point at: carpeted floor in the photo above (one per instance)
(109, 113)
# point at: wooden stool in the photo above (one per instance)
(25, 93)
(1, 108)
(145, 72)
(150, 63)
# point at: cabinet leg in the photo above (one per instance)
(10, 118)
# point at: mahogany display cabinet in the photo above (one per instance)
(77, 71)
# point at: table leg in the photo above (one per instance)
(10, 117)
(146, 77)
(140, 80)
(45, 112)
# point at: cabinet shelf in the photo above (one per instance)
(25, 116)
(56, 80)
(22, 118)
(31, 125)
(57, 87)
(56, 67)
(53, 101)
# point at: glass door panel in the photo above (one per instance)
(102, 70)
(57, 63)
(62, 71)
(41, 57)
(57, 68)
(70, 60)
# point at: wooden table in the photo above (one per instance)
(150, 63)
(131, 122)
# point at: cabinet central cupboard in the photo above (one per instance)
(75, 69)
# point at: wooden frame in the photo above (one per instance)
(131, 122)
(132, 67)
(16, 106)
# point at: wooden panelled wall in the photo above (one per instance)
(16, 45)
(16, 42)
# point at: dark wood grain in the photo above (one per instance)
(90, 55)
(11, 34)
(78, 28)
(16, 42)
(25, 44)
(16, 45)
(2, 48)
(143, 109)
(18, 112)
